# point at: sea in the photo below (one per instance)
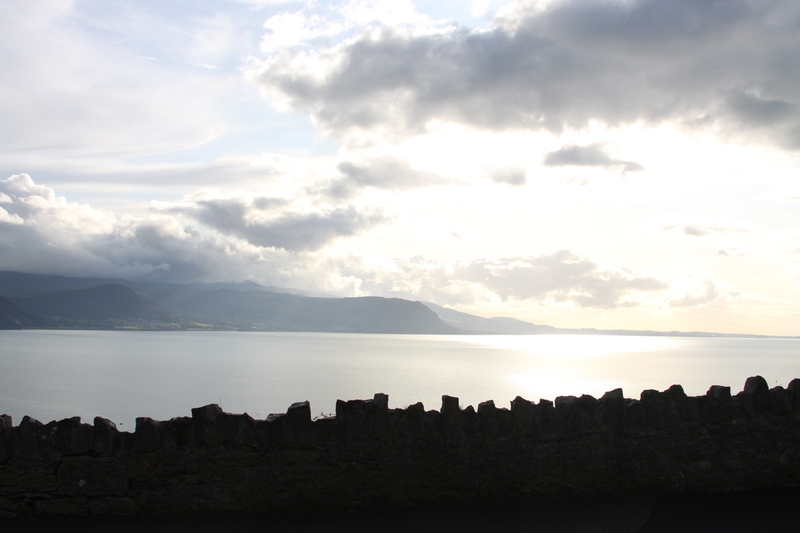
(122, 375)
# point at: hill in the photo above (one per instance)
(12, 317)
(102, 302)
(52, 301)
(45, 301)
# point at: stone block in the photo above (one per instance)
(105, 436)
(451, 419)
(755, 395)
(413, 421)
(205, 424)
(298, 424)
(72, 437)
(488, 417)
(676, 403)
(180, 432)
(275, 428)
(523, 415)
(150, 435)
(470, 421)
(236, 430)
(779, 401)
(548, 418)
(633, 415)
(715, 407)
(569, 414)
(651, 399)
(380, 403)
(5, 437)
(794, 395)
(593, 413)
(613, 409)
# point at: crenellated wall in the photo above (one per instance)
(371, 456)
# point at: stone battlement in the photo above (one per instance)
(370, 456)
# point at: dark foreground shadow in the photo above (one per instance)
(741, 512)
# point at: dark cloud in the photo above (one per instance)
(387, 172)
(587, 156)
(40, 232)
(732, 64)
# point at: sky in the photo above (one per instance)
(578, 163)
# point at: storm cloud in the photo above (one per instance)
(729, 67)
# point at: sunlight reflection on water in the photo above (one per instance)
(123, 375)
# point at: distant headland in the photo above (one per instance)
(37, 301)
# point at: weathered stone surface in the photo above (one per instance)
(236, 430)
(112, 507)
(25, 474)
(92, 476)
(8, 508)
(63, 508)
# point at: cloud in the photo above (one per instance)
(781, 193)
(204, 238)
(272, 222)
(564, 64)
(554, 279)
(588, 156)
(214, 237)
(709, 295)
(704, 226)
(386, 172)
(511, 176)
(85, 86)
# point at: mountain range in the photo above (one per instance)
(38, 301)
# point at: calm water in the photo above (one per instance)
(51, 375)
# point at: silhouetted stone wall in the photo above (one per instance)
(370, 456)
